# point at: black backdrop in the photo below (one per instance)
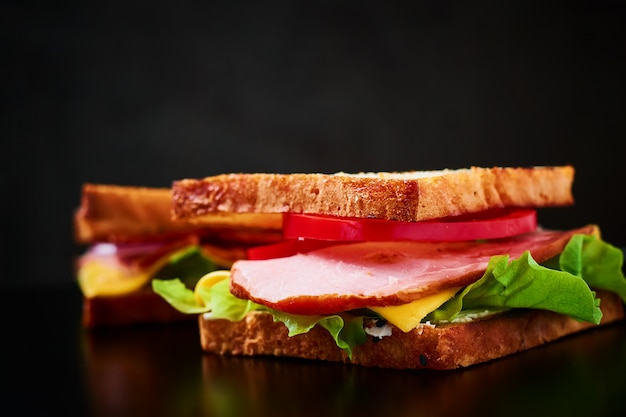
(144, 93)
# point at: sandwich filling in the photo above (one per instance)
(353, 288)
(114, 269)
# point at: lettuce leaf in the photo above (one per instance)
(585, 262)
(224, 305)
(347, 331)
(595, 261)
(523, 283)
(188, 266)
(216, 299)
(178, 295)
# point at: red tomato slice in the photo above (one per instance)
(486, 225)
(287, 248)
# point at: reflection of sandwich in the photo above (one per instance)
(131, 239)
(437, 269)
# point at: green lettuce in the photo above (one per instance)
(346, 330)
(188, 266)
(523, 283)
(224, 305)
(216, 299)
(595, 261)
(178, 295)
(561, 285)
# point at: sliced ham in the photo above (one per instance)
(357, 275)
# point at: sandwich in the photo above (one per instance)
(408, 270)
(127, 238)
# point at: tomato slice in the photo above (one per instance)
(485, 225)
(307, 232)
(287, 248)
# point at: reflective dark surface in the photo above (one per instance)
(51, 366)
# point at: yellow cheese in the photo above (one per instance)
(407, 316)
(106, 276)
(98, 277)
(206, 282)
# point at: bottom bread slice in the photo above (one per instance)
(425, 347)
(140, 307)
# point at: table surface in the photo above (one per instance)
(54, 367)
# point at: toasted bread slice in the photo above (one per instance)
(124, 213)
(402, 196)
(136, 308)
(425, 347)
(114, 213)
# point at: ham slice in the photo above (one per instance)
(358, 275)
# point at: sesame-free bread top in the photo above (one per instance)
(116, 213)
(120, 213)
(402, 196)
(425, 347)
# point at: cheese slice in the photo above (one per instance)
(206, 282)
(106, 276)
(407, 316)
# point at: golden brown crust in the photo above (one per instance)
(115, 213)
(119, 213)
(404, 196)
(444, 347)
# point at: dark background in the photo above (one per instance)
(144, 93)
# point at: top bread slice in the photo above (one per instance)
(116, 213)
(402, 196)
(123, 213)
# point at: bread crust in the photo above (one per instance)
(402, 196)
(425, 347)
(124, 213)
(115, 213)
